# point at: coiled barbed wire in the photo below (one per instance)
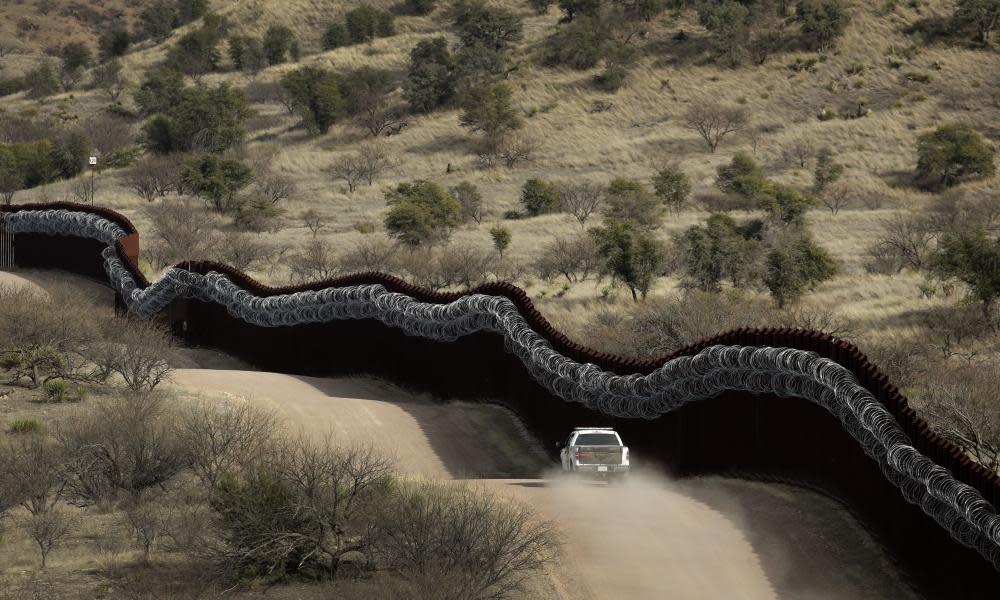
(788, 372)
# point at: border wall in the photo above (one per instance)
(760, 436)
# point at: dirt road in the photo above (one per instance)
(651, 538)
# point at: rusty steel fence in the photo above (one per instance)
(746, 400)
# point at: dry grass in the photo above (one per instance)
(641, 132)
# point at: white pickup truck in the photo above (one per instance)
(597, 451)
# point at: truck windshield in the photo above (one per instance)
(596, 439)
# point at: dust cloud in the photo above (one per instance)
(651, 537)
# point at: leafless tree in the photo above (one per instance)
(42, 336)
(108, 133)
(110, 78)
(471, 201)
(581, 199)
(379, 115)
(125, 445)
(30, 473)
(374, 159)
(960, 409)
(146, 521)
(958, 210)
(315, 262)
(836, 196)
(951, 329)
(9, 45)
(904, 243)
(350, 169)
(243, 250)
(314, 221)
(483, 546)
(222, 437)
(465, 265)
(153, 178)
(137, 350)
(84, 190)
(318, 515)
(49, 529)
(756, 135)
(799, 151)
(447, 266)
(573, 257)
(181, 230)
(516, 148)
(372, 253)
(714, 121)
(274, 186)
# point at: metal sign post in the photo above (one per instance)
(93, 167)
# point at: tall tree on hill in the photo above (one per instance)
(984, 15)
(632, 256)
(431, 80)
(316, 95)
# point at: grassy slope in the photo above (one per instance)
(641, 132)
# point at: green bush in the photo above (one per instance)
(721, 250)
(10, 360)
(730, 24)
(490, 110)
(540, 6)
(630, 200)
(783, 203)
(217, 179)
(336, 36)
(951, 154)
(277, 43)
(41, 81)
(493, 27)
(366, 23)
(972, 257)
(577, 8)
(74, 58)
(12, 85)
(31, 162)
(197, 53)
(741, 176)
(430, 82)
(822, 21)
(315, 93)
(631, 254)
(159, 91)
(421, 212)
(420, 7)
(211, 119)
(56, 390)
(158, 19)
(25, 426)
(578, 45)
(501, 238)
(247, 53)
(672, 186)
(539, 197)
(190, 10)
(795, 266)
(114, 42)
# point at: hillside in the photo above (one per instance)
(906, 86)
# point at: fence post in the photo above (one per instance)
(6, 244)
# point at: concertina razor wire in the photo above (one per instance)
(786, 372)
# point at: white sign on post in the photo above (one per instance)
(93, 160)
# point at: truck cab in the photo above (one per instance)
(594, 451)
